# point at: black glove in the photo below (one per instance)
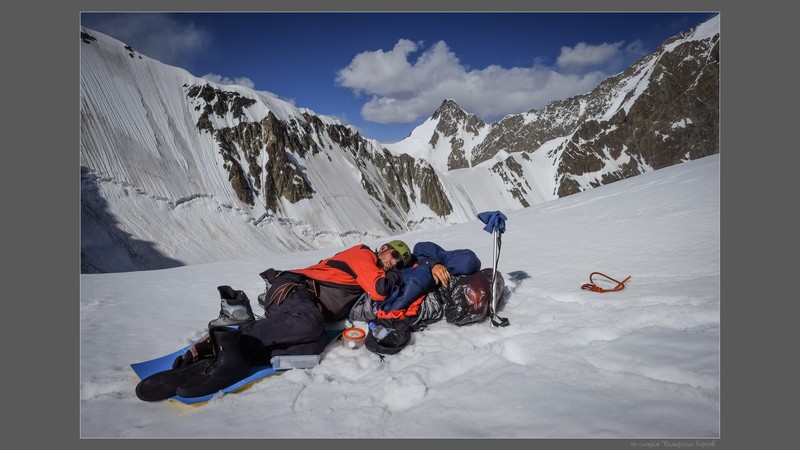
(182, 360)
(199, 350)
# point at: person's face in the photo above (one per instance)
(388, 257)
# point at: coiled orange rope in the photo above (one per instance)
(591, 286)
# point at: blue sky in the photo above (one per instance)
(385, 73)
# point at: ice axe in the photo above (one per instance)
(496, 224)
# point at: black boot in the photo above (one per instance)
(234, 308)
(163, 385)
(229, 366)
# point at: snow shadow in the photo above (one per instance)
(105, 248)
(512, 281)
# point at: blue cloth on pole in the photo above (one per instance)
(494, 220)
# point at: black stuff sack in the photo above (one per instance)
(470, 297)
(388, 336)
(431, 310)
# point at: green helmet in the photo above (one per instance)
(403, 250)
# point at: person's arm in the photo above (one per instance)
(446, 263)
(386, 284)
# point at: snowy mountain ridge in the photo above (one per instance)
(662, 110)
(162, 151)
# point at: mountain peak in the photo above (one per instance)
(449, 108)
(451, 117)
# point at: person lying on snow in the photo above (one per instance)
(415, 301)
(297, 305)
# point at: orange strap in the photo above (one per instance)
(591, 286)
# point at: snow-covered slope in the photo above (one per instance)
(158, 156)
(640, 363)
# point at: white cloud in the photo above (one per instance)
(391, 74)
(584, 55)
(636, 48)
(401, 90)
(219, 79)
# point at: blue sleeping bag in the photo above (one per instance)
(418, 280)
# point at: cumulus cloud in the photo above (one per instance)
(391, 74)
(636, 48)
(219, 79)
(401, 89)
(584, 55)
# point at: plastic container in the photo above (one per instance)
(283, 362)
(353, 338)
(379, 331)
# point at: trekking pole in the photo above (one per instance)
(494, 270)
(495, 222)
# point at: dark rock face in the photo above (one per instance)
(218, 102)
(241, 146)
(87, 38)
(451, 121)
(281, 143)
(512, 175)
(674, 118)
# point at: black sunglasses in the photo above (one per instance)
(396, 255)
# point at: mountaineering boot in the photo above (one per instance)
(229, 366)
(234, 308)
(163, 385)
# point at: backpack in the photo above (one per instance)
(470, 296)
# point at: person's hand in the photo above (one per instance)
(441, 275)
(183, 360)
(199, 350)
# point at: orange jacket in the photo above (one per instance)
(345, 276)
